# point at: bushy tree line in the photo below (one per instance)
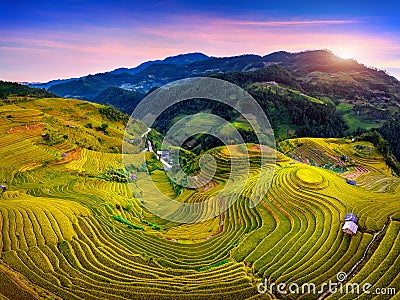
(307, 118)
(390, 131)
(16, 89)
(112, 114)
(271, 73)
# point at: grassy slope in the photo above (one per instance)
(57, 226)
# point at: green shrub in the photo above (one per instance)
(217, 264)
(130, 225)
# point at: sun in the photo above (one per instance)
(345, 53)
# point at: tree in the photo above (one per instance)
(104, 127)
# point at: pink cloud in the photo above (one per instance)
(286, 23)
(45, 55)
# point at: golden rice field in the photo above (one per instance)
(69, 232)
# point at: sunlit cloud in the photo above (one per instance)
(41, 55)
(286, 23)
(232, 37)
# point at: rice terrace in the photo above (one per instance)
(71, 228)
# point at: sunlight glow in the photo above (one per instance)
(346, 53)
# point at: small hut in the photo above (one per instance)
(350, 224)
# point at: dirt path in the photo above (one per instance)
(22, 129)
(69, 156)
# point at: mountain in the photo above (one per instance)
(90, 86)
(272, 73)
(50, 83)
(151, 74)
(185, 59)
(180, 60)
(323, 73)
(318, 72)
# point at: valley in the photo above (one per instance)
(71, 228)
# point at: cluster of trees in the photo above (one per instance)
(305, 117)
(116, 175)
(52, 137)
(390, 131)
(192, 106)
(113, 114)
(124, 100)
(271, 73)
(103, 127)
(16, 89)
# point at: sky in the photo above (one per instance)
(45, 40)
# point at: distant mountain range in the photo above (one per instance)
(180, 60)
(319, 71)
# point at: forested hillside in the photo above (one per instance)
(9, 89)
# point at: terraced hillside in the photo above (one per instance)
(70, 228)
(351, 159)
